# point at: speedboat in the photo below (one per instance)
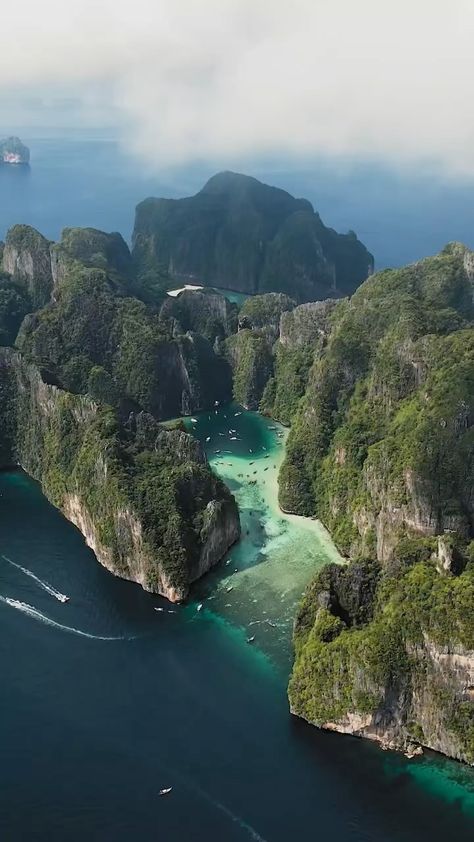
(166, 790)
(229, 589)
(251, 639)
(199, 606)
(158, 609)
(194, 420)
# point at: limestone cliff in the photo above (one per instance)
(382, 450)
(385, 659)
(144, 497)
(201, 311)
(240, 234)
(90, 332)
(27, 258)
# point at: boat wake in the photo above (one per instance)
(46, 587)
(227, 812)
(33, 612)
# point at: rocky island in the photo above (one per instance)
(240, 234)
(13, 151)
(80, 398)
(378, 389)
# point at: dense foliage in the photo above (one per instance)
(387, 399)
(384, 663)
(382, 449)
(250, 356)
(14, 305)
(143, 492)
(240, 234)
(89, 326)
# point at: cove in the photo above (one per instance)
(92, 728)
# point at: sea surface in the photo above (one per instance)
(90, 179)
(103, 700)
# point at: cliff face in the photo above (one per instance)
(240, 234)
(401, 671)
(250, 356)
(203, 312)
(92, 336)
(382, 450)
(143, 497)
(94, 249)
(27, 258)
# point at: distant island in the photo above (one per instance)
(242, 235)
(13, 151)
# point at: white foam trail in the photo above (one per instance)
(33, 612)
(222, 807)
(49, 588)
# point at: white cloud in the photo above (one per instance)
(225, 79)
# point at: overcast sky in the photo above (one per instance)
(372, 80)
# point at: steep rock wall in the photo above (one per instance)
(143, 497)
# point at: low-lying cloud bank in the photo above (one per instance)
(221, 79)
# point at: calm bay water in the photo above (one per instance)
(93, 726)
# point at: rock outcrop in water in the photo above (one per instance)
(13, 151)
(382, 450)
(240, 234)
(143, 496)
(80, 405)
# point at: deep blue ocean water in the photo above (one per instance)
(91, 728)
(401, 216)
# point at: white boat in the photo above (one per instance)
(236, 414)
(194, 420)
(208, 438)
(62, 597)
(229, 589)
(251, 639)
(166, 790)
(199, 606)
(216, 403)
(158, 609)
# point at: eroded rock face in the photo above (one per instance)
(385, 658)
(206, 313)
(143, 496)
(27, 258)
(307, 324)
